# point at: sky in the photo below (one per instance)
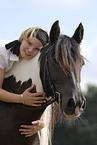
(18, 15)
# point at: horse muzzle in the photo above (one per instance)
(74, 108)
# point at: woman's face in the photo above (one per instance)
(30, 48)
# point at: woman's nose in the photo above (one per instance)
(30, 49)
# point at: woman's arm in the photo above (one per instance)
(27, 98)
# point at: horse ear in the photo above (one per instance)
(78, 35)
(54, 32)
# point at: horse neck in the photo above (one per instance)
(44, 70)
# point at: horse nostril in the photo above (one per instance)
(70, 108)
(71, 103)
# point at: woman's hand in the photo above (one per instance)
(31, 99)
(29, 130)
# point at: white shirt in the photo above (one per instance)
(7, 58)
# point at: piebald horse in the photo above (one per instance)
(56, 71)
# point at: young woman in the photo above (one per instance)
(28, 45)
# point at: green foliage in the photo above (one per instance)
(84, 130)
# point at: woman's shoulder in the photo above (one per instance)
(4, 42)
(2, 46)
(4, 55)
(3, 51)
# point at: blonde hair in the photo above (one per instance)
(36, 32)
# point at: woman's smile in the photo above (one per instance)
(27, 53)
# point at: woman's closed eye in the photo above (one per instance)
(37, 49)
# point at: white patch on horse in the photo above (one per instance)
(26, 69)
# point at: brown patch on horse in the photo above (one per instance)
(10, 84)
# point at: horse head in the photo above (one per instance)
(60, 67)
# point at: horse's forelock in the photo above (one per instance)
(64, 56)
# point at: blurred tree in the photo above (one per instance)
(84, 130)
